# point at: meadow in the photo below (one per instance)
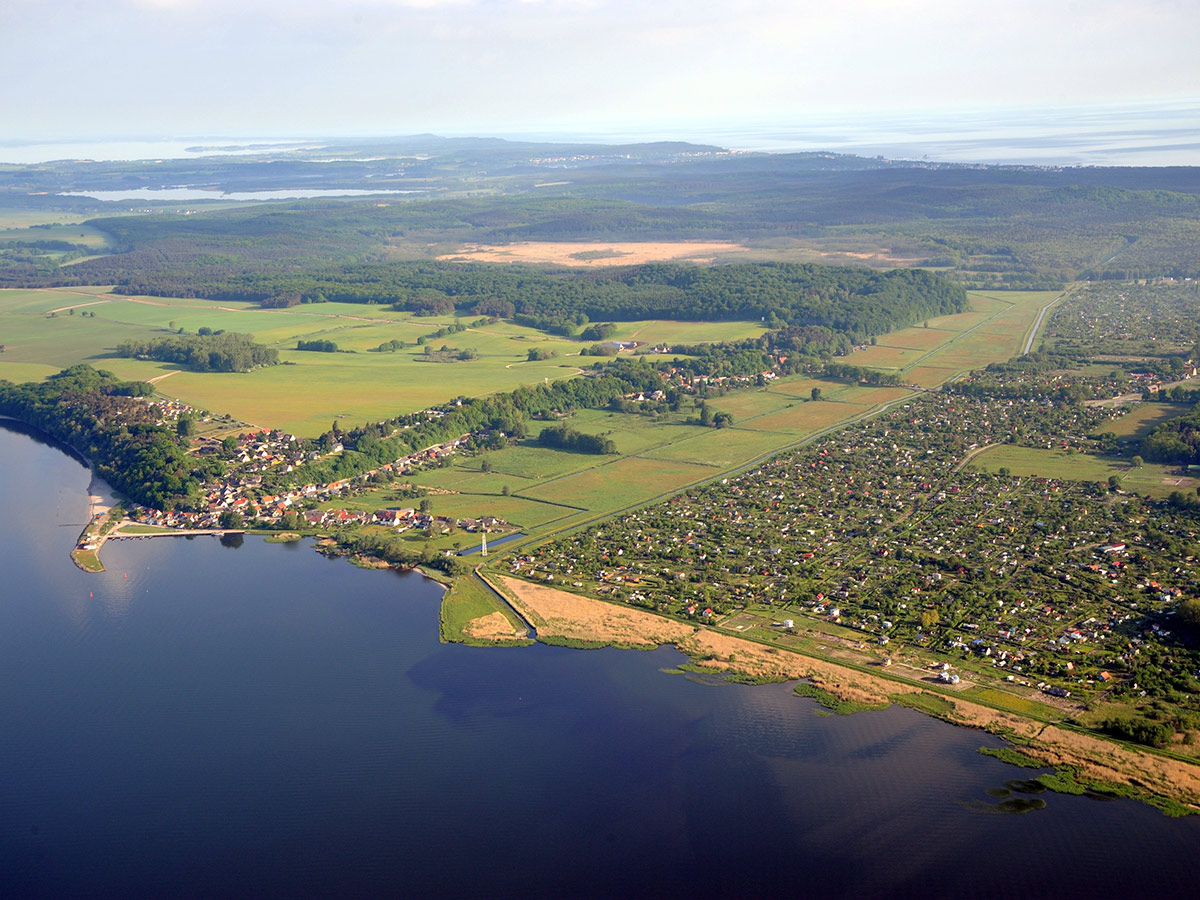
(1143, 418)
(1150, 479)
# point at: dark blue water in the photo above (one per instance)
(208, 721)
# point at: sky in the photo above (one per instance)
(156, 68)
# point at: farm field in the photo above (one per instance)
(546, 489)
(48, 330)
(657, 456)
(1151, 480)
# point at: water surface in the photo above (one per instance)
(209, 721)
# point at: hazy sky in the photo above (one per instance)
(100, 68)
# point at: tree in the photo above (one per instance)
(231, 519)
(185, 427)
(929, 618)
(1188, 612)
(1114, 483)
(815, 393)
(1137, 462)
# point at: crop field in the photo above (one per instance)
(662, 331)
(43, 335)
(13, 229)
(722, 449)
(809, 417)
(618, 484)
(746, 405)
(1143, 418)
(917, 338)
(1150, 479)
(887, 357)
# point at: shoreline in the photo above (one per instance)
(576, 620)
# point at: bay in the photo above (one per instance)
(254, 720)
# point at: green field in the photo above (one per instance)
(1151, 479)
(547, 490)
(46, 330)
(470, 599)
(1143, 418)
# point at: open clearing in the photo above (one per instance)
(571, 253)
(1151, 479)
(1144, 417)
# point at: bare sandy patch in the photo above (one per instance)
(572, 253)
(556, 613)
(492, 627)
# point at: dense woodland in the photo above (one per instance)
(214, 352)
(1175, 441)
(995, 226)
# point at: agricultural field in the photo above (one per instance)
(657, 455)
(45, 331)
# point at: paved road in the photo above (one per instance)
(1037, 326)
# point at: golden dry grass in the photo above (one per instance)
(570, 253)
(492, 627)
(556, 613)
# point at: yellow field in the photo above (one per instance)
(583, 253)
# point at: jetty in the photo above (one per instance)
(105, 527)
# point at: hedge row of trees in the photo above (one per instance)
(318, 346)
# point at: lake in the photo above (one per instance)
(255, 720)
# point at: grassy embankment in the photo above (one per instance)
(471, 613)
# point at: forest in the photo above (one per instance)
(213, 352)
(1175, 441)
(989, 226)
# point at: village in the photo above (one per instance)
(240, 500)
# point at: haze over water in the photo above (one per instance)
(257, 721)
(1152, 134)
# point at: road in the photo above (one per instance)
(1037, 325)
